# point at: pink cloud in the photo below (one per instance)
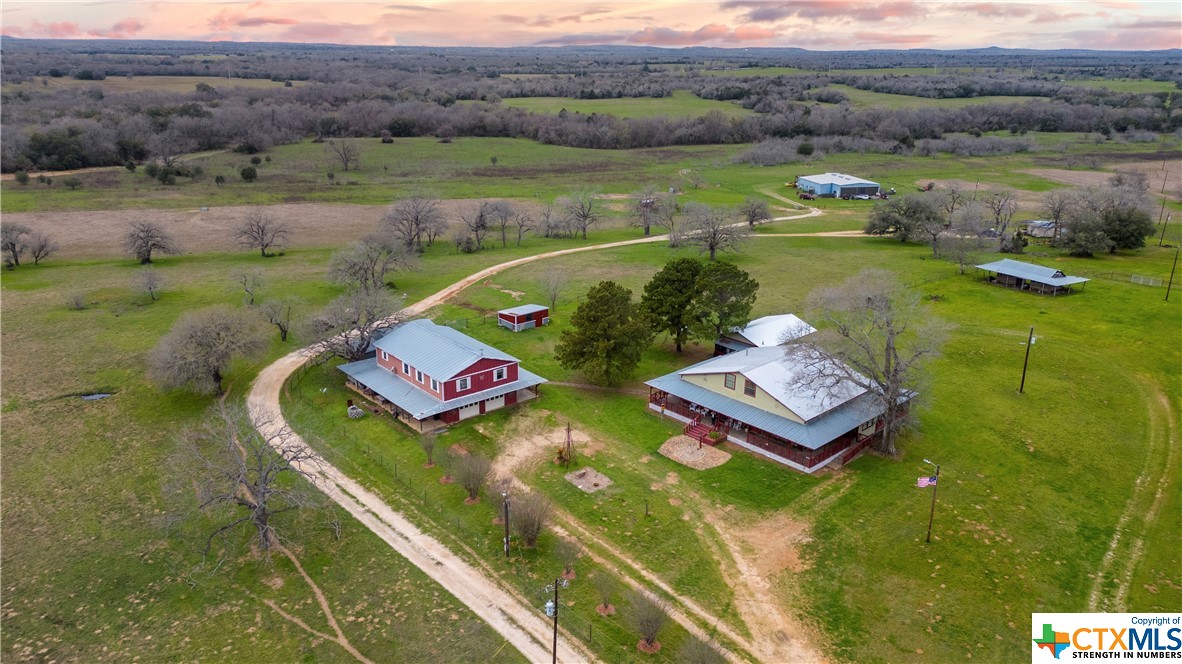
(1150, 40)
(713, 32)
(124, 29)
(893, 38)
(840, 10)
(336, 33)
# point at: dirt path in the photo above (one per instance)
(1111, 584)
(520, 624)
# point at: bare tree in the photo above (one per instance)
(712, 230)
(169, 146)
(414, 219)
(933, 227)
(755, 210)
(523, 222)
(40, 246)
(1055, 206)
(500, 214)
(427, 442)
(279, 312)
(949, 199)
(76, 301)
(966, 238)
(472, 472)
(243, 464)
(569, 551)
(666, 217)
(1003, 205)
(250, 281)
(874, 336)
(647, 615)
(148, 280)
(478, 221)
(553, 281)
(145, 238)
(606, 586)
(553, 223)
(13, 241)
(201, 345)
(529, 515)
(644, 210)
(260, 230)
(346, 151)
(582, 208)
(347, 326)
(365, 264)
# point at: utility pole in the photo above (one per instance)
(505, 502)
(1163, 226)
(1029, 343)
(1171, 284)
(554, 658)
(935, 488)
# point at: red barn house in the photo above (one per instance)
(524, 317)
(429, 376)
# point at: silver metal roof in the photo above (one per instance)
(1032, 272)
(812, 435)
(523, 309)
(773, 330)
(436, 350)
(414, 400)
(840, 179)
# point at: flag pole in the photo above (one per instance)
(932, 516)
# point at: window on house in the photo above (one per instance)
(729, 381)
(419, 376)
(434, 385)
(462, 384)
(748, 387)
(385, 356)
(405, 369)
(499, 374)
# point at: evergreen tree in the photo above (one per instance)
(667, 298)
(725, 296)
(608, 334)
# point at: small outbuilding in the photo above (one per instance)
(1031, 277)
(524, 317)
(1041, 228)
(766, 331)
(836, 185)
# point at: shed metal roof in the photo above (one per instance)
(837, 178)
(436, 350)
(414, 400)
(523, 309)
(774, 330)
(812, 435)
(1032, 272)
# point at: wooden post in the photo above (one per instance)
(1029, 342)
(505, 497)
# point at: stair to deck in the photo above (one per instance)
(698, 432)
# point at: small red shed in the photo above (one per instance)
(524, 317)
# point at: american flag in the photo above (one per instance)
(926, 481)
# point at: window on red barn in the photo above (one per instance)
(499, 374)
(462, 384)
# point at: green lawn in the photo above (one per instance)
(682, 103)
(1125, 85)
(870, 99)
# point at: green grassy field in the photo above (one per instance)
(870, 99)
(682, 103)
(1123, 85)
(118, 84)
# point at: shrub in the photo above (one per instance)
(21, 177)
(472, 472)
(151, 169)
(267, 159)
(219, 180)
(256, 160)
(647, 617)
(76, 301)
(249, 174)
(528, 516)
(72, 182)
(130, 166)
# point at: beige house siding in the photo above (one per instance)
(761, 400)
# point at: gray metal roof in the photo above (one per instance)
(774, 330)
(414, 400)
(813, 435)
(523, 309)
(1032, 272)
(436, 350)
(840, 179)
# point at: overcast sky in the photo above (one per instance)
(813, 24)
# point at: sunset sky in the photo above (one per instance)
(813, 24)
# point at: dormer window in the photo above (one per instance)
(385, 356)
(434, 385)
(499, 374)
(462, 384)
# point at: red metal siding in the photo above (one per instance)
(508, 318)
(511, 399)
(388, 364)
(481, 377)
(451, 417)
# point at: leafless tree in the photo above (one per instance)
(40, 246)
(346, 151)
(529, 515)
(647, 615)
(76, 301)
(553, 281)
(414, 219)
(874, 336)
(472, 472)
(501, 215)
(712, 230)
(523, 222)
(279, 312)
(14, 241)
(949, 199)
(934, 228)
(478, 222)
(169, 146)
(1003, 205)
(755, 210)
(365, 264)
(241, 468)
(582, 208)
(145, 238)
(250, 281)
(201, 345)
(966, 238)
(347, 326)
(553, 223)
(645, 208)
(260, 230)
(666, 217)
(569, 551)
(149, 281)
(1055, 206)
(696, 179)
(427, 442)
(606, 586)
